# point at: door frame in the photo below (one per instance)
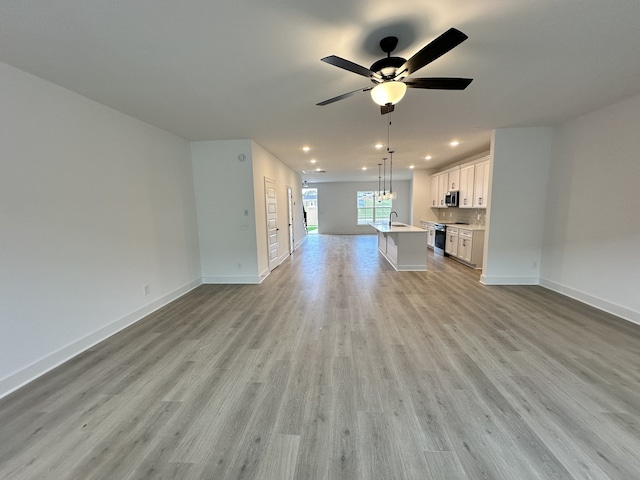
(290, 212)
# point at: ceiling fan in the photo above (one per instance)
(390, 74)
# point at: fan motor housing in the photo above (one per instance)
(387, 67)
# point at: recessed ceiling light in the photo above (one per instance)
(364, 168)
(411, 167)
(378, 146)
(455, 143)
(428, 157)
(306, 149)
(313, 160)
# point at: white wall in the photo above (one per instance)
(592, 220)
(420, 196)
(337, 206)
(233, 246)
(266, 165)
(516, 207)
(93, 205)
(224, 190)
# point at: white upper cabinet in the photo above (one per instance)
(435, 202)
(481, 185)
(442, 189)
(453, 181)
(467, 177)
(439, 184)
(471, 180)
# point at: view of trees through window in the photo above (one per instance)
(370, 209)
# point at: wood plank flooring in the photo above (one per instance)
(338, 367)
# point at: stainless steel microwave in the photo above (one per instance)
(451, 199)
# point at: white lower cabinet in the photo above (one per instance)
(431, 233)
(451, 245)
(465, 244)
(470, 247)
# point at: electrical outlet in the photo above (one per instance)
(146, 289)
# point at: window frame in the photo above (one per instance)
(374, 210)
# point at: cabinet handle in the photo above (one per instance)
(479, 200)
(465, 201)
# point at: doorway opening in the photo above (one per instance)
(310, 204)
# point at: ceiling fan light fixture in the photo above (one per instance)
(388, 92)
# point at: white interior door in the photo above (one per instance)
(272, 221)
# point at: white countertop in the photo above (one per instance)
(396, 227)
(466, 227)
(457, 225)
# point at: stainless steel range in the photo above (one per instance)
(440, 238)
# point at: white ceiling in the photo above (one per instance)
(235, 69)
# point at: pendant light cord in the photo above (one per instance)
(378, 195)
(391, 172)
(384, 176)
(390, 154)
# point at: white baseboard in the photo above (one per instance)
(509, 280)
(243, 279)
(265, 273)
(233, 279)
(595, 302)
(410, 268)
(49, 362)
(300, 242)
(283, 257)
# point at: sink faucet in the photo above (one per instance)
(390, 217)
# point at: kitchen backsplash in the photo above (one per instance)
(472, 216)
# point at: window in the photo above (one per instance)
(310, 204)
(370, 209)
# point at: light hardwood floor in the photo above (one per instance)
(338, 367)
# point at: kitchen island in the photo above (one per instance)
(404, 246)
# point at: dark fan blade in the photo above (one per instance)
(441, 45)
(344, 95)
(439, 83)
(350, 66)
(388, 108)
